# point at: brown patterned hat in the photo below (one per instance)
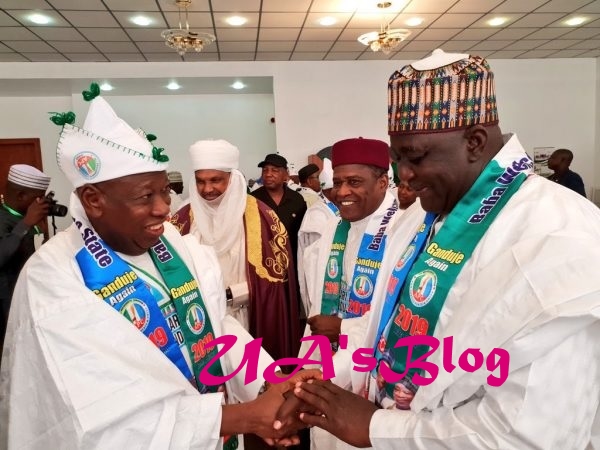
(443, 92)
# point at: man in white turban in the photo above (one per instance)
(251, 243)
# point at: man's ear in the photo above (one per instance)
(92, 199)
(384, 181)
(477, 138)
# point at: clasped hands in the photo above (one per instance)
(305, 400)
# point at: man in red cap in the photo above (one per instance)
(342, 268)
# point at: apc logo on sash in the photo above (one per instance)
(422, 288)
(87, 164)
(362, 286)
(332, 268)
(405, 257)
(195, 319)
(137, 313)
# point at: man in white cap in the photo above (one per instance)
(252, 246)
(108, 341)
(23, 209)
(176, 183)
(491, 270)
(314, 221)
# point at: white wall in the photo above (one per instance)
(547, 102)
(177, 121)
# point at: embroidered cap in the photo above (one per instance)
(370, 152)
(106, 147)
(27, 176)
(443, 92)
(214, 154)
(175, 177)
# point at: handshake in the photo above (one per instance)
(302, 401)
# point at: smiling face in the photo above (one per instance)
(128, 213)
(358, 190)
(439, 167)
(211, 184)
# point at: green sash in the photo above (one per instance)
(194, 320)
(437, 267)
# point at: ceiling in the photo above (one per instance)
(288, 30)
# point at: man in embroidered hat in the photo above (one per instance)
(490, 267)
(176, 183)
(252, 247)
(108, 341)
(24, 207)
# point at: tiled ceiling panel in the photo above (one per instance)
(292, 30)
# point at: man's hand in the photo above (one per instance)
(267, 406)
(343, 413)
(36, 212)
(329, 326)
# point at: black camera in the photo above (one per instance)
(56, 209)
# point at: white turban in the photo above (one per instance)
(326, 175)
(214, 155)
(28, 176)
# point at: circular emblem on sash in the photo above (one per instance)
(405, 257)
(137, 313)
(87, 163)
(362, 286)
(195, 319)
(332, 268)
(422, 287)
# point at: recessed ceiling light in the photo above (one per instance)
(574, 21)
(414, 22)
(327, 21)
(238, 85)
(39, 19)
(236, 21)
(142, 21)
(497, 21)
(106, 87)
(173, 85)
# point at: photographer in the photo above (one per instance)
(23, 208)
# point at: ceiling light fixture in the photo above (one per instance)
(236, 21)
(574, 21)
(497, 21)
(385, 40)
(327, 21)
(173, 86)
(142, 21)
(238, 85)
(106, 87)
(39, 19)
(414, 22)
(182, 39)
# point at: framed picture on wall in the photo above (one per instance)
(540, 160)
